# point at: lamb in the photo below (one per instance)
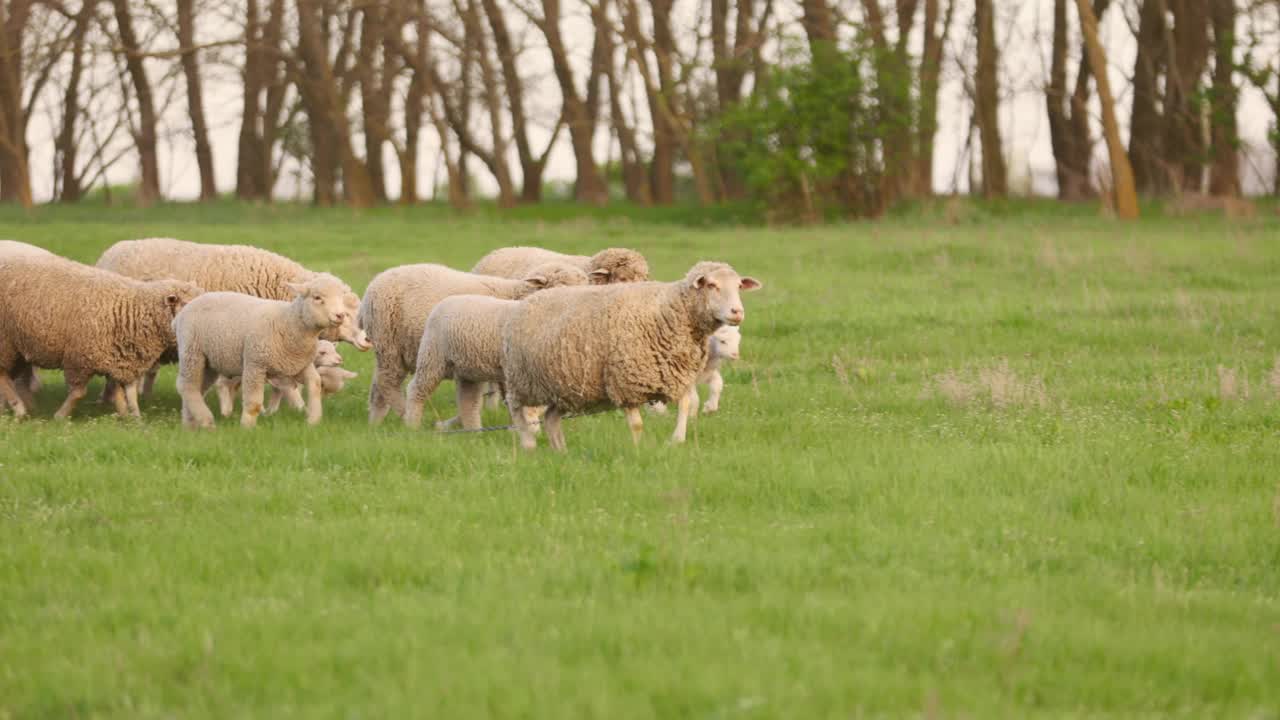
(85, 321)
(463, 341)
(327, 358)
(722, 345)
(216, 268)
(612, 265)
(395, 309)
(579, 349)
(27, 378)
(236, 335)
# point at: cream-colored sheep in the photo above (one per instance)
(216, 268)
(255, 339)
(584, 348)
(26, 378)
(723, 345)
(327, 356)
(463, 341)
(611, 265)
(396, 305)
(86, 322)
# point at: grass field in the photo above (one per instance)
(1024, 465)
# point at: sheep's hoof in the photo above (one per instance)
(709, 408)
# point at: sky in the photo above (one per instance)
(1023, 30)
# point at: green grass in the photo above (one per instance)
(1022, 466)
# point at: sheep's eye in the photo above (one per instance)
(317, 298)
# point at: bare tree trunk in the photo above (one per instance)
(590, 186)
(15, 173)
(65, 145)
(1224, 177)
(662, 176)
(1187, 45)
(935, 41)
(987, 98)
(1145, 126)
(635, 181)
(1126, 198)
(1068, 115)
(372, 68)
(195, 98)
(145, 135)
(249, 159)
(493, 96)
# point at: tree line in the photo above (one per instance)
(812, 106)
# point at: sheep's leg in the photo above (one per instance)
(10, 394)
(192, 384)
(33, 382)
(528, 440)
(470, 403)
(384, 390)
(149, 382)
(533, 416)
(108, 392)
(119, 402)
(493, 394)
(636, 423)
(713, 398)
(253, 385)
(555, 432)
(77, 388)
(682, 417)
(294, 396)
(315, 394)
(693, 399)
(131, 399)
(430, 372)
(226, 388)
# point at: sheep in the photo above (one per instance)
(85, 321)
(395, 309)
(327, 357)
(216, 268)
(722, 345)
(582, 348)
(236, 335)
(27, 378)
(462, 340)
(612, 265)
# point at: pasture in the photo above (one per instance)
(1021, 465)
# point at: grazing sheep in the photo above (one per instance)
(84, 321)
(722, 345)
(396, 305)
(578, 349)
(27, 378)
(463, 341)
(236, 335)
(612, 265)
(327, 356)
(216, 268)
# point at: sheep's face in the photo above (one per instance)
(725, 341)
(323, 300)
(350, 330)
(618, 265)
(327, 354)
(719, 287)
(553, 274)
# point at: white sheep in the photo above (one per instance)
(462, 340)
(327, 357)
(583, 348)
(26, 378)
(722, 345)
(611, 265)
(396, 305)
(86, 322)
(254, 339)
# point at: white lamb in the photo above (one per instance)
(242, 336)
(722, 345)
(327, 359)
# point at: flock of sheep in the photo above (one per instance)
(554, 334)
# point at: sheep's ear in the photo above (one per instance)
(351, 300)
(700, 281)
(601, 276)
(171, 300)
(296, 288)
(750, 283)
(537, 281)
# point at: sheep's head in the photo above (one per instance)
(350, 330)
(618, 265)
(327, 354)
(177, 293)
(322, 301)
(725, 341)
(718, 288)
(553, 274)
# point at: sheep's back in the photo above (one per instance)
(516, 262)
(216, 268)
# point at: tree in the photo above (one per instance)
(66, 145)
(987, 102)
(1125, 196)
(144, 133)
(15, 174)
(195, 98)
(1069, 115)
(1224, 173)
